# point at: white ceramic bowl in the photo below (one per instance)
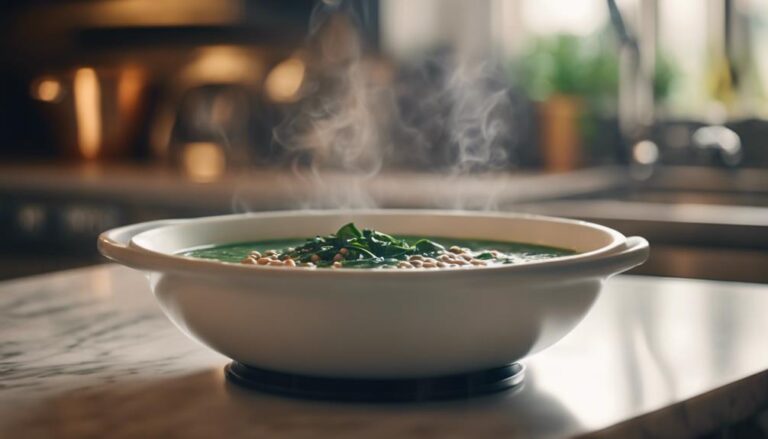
(375, 323)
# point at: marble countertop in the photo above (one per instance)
(87, 353)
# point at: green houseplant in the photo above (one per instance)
(574, 80)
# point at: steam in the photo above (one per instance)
(478, 129)
(338, 127)
(449, 113)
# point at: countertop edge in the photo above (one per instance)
(703, 414)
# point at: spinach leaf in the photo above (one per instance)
(360, 248)
(427, 247)
(394, 251)
(349, 232)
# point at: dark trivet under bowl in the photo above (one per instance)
(384, 390)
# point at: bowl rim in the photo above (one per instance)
(138, 256)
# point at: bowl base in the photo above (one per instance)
(377, 390)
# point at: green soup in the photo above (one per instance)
(352, 248)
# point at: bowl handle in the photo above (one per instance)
(634, 253)
(115, 244)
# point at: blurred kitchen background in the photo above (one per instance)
(645, 115)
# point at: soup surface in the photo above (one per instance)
(352, 248)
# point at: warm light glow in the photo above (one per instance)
(129, 86)
(223, 64)
(88, 112)
(47, 89)
(203, 161)
(284, 81)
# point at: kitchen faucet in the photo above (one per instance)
(637, 57)
(722, 140)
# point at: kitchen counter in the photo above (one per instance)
(271, 188)
(87, 353)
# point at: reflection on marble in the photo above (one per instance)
(87, 353)
(84, 328)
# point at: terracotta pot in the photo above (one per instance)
(559, 133)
